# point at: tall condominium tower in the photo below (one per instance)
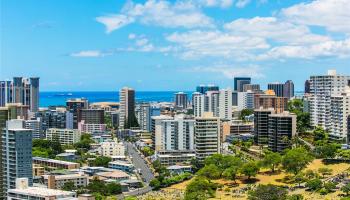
(198, 104)
(340, 110)
(225, 104)
(93, 116)
(205, 88)
(288, 89)
(75, 106)
(20, 90)
(207, 136)
(16, 154)
(245, 100)
(251, 87)
(175, 134)
(144, 112)
(322, 88)
(181, 100)
(278, 88)
(281, 129)
(261, 125)
(212, 100)
(127, 108)
(270, 100)
(239, 82)
(307, 87)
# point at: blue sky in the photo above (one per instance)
(171, 45)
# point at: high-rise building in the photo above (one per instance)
(20, 90)
(198, 104)
(288, 89)
(175, 134)
(322, 88)
(270, 100)
(144, 112)
(127, 107)
(36, 126)
(348, 129)
(181, 100)
(281, 129)
(278, 88)
(93, 116)
(239, 82)
(340, 110)
(261, 125)
(207, 136)
(245, 100)
(225, 104)
(54, 118)
(75, 106)
(16, 154)
(211, 103)
(307, 87)
(205, 88)
(156, 129)
(251, 87)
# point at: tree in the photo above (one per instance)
(155, 184)
(200, 189)
(267, 192)
(68, 186)
(325, 171)
(314, 184)
(97, 186)
(319, 134)
(310, 174)
(299, 178)
(250, 169)
(114, 188)
(130, 198)
(101, 161)
(346, 189)
(231, 173)
(295, 197)
(246, 112)
(327, 150)
(210, 171)
(296, 160)
(303, 118)
(329, 187)
(272, 160)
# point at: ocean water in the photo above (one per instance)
(59, 98)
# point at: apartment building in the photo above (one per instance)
(63, 136)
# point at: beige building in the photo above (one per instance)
(38, 170)
(55, 164)
(58, 181)
(207, 136)
(64, 136)
(112, 148)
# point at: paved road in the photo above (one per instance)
(139, 163)
(312, 147)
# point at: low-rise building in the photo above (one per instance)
(63, 136)
(23, 191)
(179, 169)
(38, 170)
(116, 175)
(55, 164)
(112, 148)
(120, 165)
(168, 158)
(58, 181)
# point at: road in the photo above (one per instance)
(139, 163)
(312, 147)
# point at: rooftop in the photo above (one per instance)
(42, 192)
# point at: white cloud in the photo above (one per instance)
(275, 29)
(132, 36)
(89, 53)
(242, 3)
(214, 43)
(338, 49)
(334, 15)
(231, 71)
(215, 3)
(158, 13)
(114, 22)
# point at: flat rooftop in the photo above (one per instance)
(42, 192)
